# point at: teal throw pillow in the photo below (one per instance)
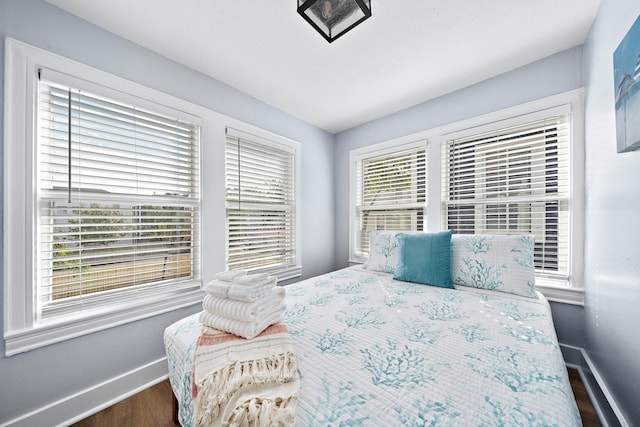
(425, 258)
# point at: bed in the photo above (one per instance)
(377, 351)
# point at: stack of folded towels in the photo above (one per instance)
(245, 368)
(242, 304)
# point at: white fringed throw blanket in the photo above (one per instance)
(240, 382)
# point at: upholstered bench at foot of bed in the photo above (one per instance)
(180, 340)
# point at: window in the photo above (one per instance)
(117, 196)
(518, 170)
(261, 204)
(106, 228)
(513, 180)
(390, 192)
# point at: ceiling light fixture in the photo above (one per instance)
(333, 18)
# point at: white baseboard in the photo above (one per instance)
(604, 404)
(80, 405)
(605, 390)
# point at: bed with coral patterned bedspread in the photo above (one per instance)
(376, 351)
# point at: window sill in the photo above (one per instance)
(558, 293)
(58, 330)
(287, 273)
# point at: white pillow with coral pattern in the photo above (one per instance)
(494, 262)
(383, 251)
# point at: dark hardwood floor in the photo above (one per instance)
(153, 408)
(587, 412)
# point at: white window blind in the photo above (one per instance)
(118, 197)
(260, 203)
(513, 180)
(391, 193)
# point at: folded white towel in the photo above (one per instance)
(230, 275)
(245, 311)
(237, 292)
(217, 288)
(251, 279)
(246, 330)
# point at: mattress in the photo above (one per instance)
(375, 351)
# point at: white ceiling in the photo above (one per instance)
(408, 52)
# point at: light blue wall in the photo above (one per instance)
(607, 326)
(39, 377)
(549, 76)
(612, 259)
(552, 75)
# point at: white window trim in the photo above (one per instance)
(274, 140)
(21, 330)
(381, 149)
(573, 101)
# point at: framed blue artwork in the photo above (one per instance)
(626, 75)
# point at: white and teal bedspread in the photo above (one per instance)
(378, 352)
